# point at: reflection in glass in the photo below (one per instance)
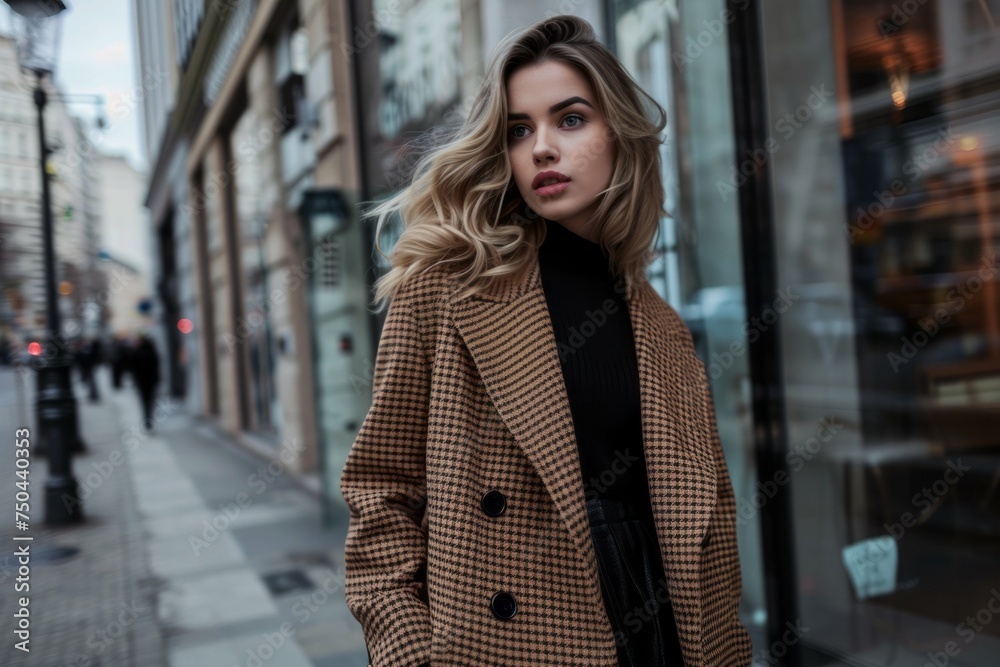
(887, 211)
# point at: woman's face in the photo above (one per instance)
(554, 125)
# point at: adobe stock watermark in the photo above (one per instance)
(594, 149)
(609, 476)
(74, 157)
(228, 513)
(100, 640)
(297, 276)
(929, 326)
(927, 499)
(103, 469)
(779, 649)
(901, 14)
(968, 630)
(787, 126)
(579, 334)
(720, 363)
(638, 616)
(364, 35)
(217, 181)
(302, 610)
(796, 458)
(913, 168)
(122, 105)
(226, 7)
(366, 380)
(271, 644)
(309, 604)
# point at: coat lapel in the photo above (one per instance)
(509, 334)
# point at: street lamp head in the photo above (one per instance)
(36, 32)
(33, 9)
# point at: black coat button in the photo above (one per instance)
(494, 503)
(503, 605)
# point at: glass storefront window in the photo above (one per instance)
(255, 325)
(418, 68)
(886, 186)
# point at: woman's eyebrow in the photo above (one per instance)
(552, 109)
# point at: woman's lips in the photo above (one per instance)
(550, 190)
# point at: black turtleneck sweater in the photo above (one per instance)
(593, 332)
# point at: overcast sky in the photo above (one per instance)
(96, 58)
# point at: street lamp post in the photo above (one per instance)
(56, 405)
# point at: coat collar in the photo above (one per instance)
(509, 334)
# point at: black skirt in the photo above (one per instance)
(634, 585)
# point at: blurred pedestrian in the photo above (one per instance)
(86, 360)
(118, 360)
(6, 348)
(98, 351)
(76, 356)
(144, 365)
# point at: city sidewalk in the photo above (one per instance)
(195, 551)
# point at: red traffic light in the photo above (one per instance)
(34, 349)
(185, 326)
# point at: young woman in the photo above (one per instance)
(539, 480)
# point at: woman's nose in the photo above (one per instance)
(544, 148)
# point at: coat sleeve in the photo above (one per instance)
(383, 482)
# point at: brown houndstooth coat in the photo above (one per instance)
(468, 399)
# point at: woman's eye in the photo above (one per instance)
(571, 116)
(513, 131)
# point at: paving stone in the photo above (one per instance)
(217, 598)
(98, 607)
(274, 649)
(135, 594)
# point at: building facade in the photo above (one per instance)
(20, 191)
(73, 168)
(172, 281)
(75, 210)
(252, 131)
(126, 247)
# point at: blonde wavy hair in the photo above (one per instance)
(463, 206)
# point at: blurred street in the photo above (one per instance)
(173, 566)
